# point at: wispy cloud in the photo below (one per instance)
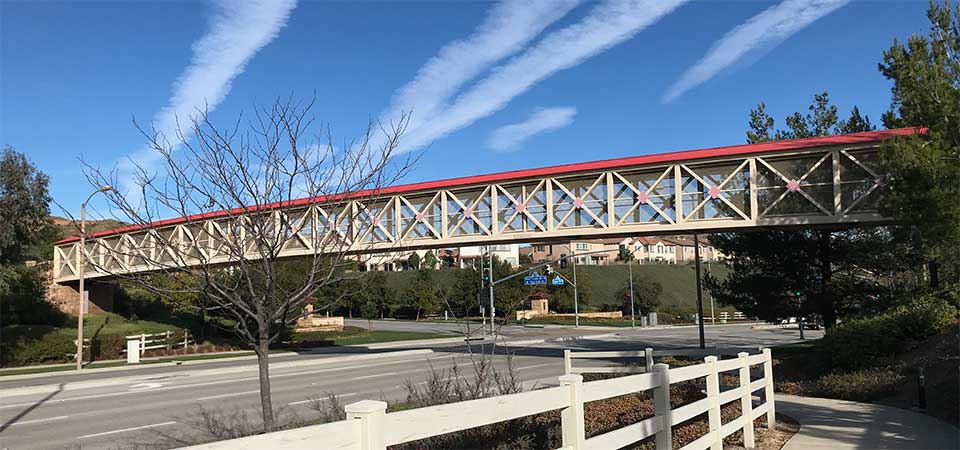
(509, 137)
(606, 25)
(764, 30)
(237, 31)
(508, 27)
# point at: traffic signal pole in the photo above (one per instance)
(493, 310)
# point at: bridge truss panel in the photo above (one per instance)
(819, 186)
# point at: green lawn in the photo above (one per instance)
(376, 336)
(678, 281)
(361, 336)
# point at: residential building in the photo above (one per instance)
(505, 252)
(460, 257)
(654, 250)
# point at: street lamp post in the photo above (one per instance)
(633, 320)
(80, 270)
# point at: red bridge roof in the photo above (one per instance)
(671, 157)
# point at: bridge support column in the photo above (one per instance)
(100, 296)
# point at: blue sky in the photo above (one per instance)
(73, 74)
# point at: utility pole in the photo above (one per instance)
(576, 299)
(696, 256)
(82, 257)
(633, 320)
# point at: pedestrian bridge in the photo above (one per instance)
(815, 182)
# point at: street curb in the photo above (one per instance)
(174, 363)
(48, 388)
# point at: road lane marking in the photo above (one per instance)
(210, 383)
(322, 399)
(25, 422)
(232, 394)
(126, 430)
(388, 374)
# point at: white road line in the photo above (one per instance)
(126, 430)
(308, 401)
(535, 366)
(232, 394)
(38, 420)
(388, 374)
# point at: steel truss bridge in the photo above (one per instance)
(824, 181)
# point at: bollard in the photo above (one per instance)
(368, 416)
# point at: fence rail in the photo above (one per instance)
(369, 427)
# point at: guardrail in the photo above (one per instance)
(647, 354)
(369, 427)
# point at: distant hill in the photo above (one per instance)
(69, 227)
(678, 281)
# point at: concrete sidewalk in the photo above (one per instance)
(838, 424)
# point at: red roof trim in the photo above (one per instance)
(686, 155)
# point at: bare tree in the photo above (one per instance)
(271, 214)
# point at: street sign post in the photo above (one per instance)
(534, 278)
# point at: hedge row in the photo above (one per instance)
(866, 342)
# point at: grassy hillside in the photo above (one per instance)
(678, 281)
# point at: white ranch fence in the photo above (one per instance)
(369, 427)
(647, 354)
(152, 341)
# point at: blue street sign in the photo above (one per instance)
(557, 281)
(534, 278)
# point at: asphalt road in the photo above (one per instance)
(124, 409)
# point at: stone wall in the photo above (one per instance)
(66, 297)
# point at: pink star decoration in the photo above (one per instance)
(468, 212)
(578, 202)
(793, 185)
(419, 217)
(376, 221)
(521, 207)
(643, 197)
(714, 192)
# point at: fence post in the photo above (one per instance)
(713, 393)
(768, 389)
(143, 343)
(567, 364)
(368, 417)
(186, 337)
(648, 355)
(661, 404)
(571, 417)
(746, 404)
(166, 340)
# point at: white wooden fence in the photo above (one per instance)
(151, 341)
(369, 427)
(647, 354)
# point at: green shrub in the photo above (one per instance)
(866, 342)
(860, 385)
(50, 347)
(107, 346)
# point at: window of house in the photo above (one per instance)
(583, 246)
(539, 248)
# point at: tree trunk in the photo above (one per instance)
(934, 274)
(266, 403)
(827, 304)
